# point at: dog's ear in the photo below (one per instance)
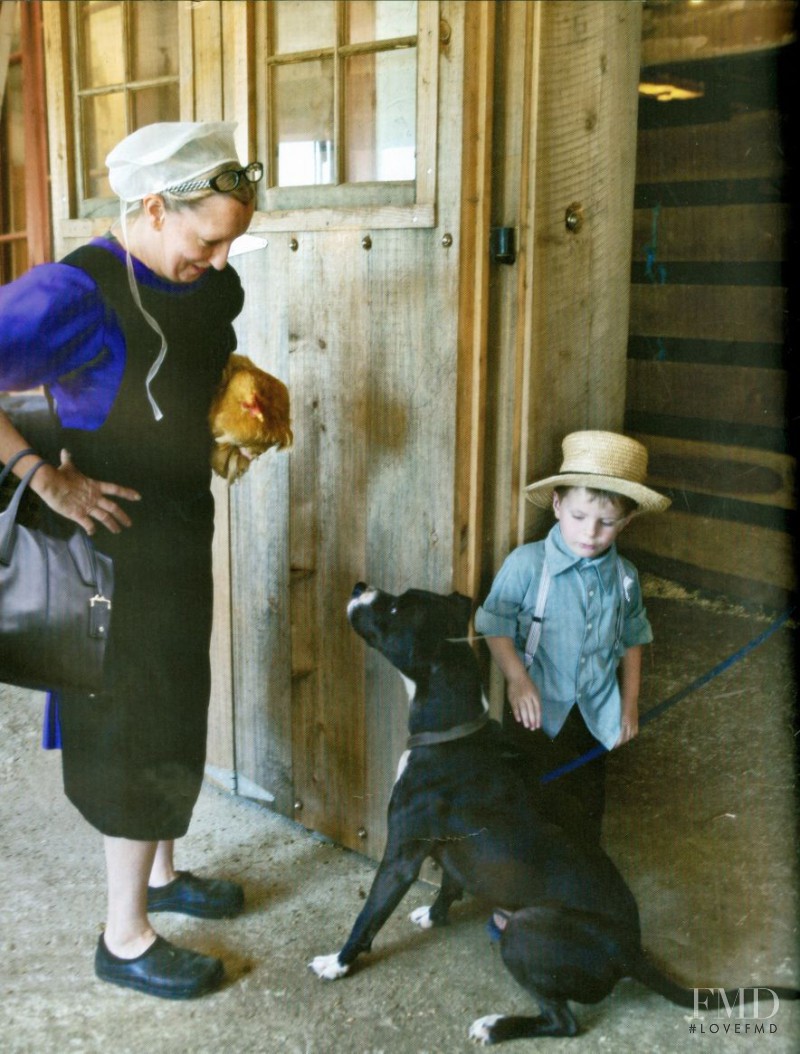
(461, 608)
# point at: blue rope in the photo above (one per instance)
(657, 711)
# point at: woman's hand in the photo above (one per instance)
(85, 501)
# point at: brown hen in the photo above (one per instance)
(249, 414)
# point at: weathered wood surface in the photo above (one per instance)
(737, 313)
(709, 309)
(474, 305)
(746, 147)
(366, 339)
(745, 395)
(516, 89)
(725, 27)
(587, 75)
(745, 473)
(712, 233)
(732, 550)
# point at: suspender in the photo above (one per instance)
(534, 636)
(535, 632)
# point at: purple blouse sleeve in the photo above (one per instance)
(56, 331)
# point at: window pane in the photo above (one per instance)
(101, 35)
(303, 25)
(156, 104)
(303, 109)
(154, 39)
(380, 122)
(103, 127)
(380, 19)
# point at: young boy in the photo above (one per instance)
(559, 642)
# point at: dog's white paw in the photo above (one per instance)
(328, 967)
(481, 1028)
(422, 917)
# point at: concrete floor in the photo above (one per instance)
(701, 820)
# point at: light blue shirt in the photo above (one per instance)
(578, 654)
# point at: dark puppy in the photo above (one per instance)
(573, 926)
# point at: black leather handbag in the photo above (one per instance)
(55, 603)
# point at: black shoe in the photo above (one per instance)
(163, 970)
(205, 898)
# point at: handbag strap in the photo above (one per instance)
(83, 552)
(20, 454)
(8, 518)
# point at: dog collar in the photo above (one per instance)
(429, 739)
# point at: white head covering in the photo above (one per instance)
(160, 156)
(154, 159)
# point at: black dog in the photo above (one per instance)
(573, 925)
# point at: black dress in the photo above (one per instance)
(133, 756)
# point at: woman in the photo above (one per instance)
(130, 335)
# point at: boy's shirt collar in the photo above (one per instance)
(560, 558)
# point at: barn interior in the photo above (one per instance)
(595, 231)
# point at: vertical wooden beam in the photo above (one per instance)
(59, 120)
(37, 199)
(185, 60)
(238, 32)
(427, 100)
(201, 64)
(526, 274)
(7, 13)
(223, 34)
(206, 66)
(479, 35)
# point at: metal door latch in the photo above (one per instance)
(503, 245)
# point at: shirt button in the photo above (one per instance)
(583, 660)
(591, 592)
(588, 625)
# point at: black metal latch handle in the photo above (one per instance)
(503, 245)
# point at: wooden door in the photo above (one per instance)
(362, 314)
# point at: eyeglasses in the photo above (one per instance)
(230, 180)
(224, 182)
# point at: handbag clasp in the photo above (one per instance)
(99, 615)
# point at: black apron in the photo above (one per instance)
(133, 756)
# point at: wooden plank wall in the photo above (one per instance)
(365, 332)
(566, 87)
(708, 354)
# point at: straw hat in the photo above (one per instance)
(603, 461)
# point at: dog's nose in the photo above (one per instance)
(358, 589)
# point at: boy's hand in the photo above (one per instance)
(524, 701)
(629, 681)
(630, 725)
